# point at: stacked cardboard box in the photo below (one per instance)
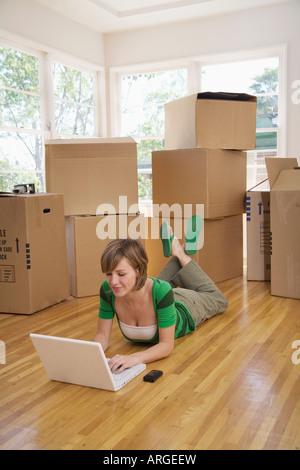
(284, 178)
(90, 172)
(33, 259)
(98, 178)
(205, 164)
(259, 242)
(259, 234)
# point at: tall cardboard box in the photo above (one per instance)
(213, 177)
(92, 172)
(285, 227)
(259, 241)
(221, 256)
(33, 259)
(87, 236)
(211, 120)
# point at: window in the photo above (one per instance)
(20, 120)
(41, 98)
(259, 77)
(74, 101)
(142, 115)
(139, 108)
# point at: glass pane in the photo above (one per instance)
(143, 97)
(143, 121)
(19, 110)
(256, 169)
(252, 76)
(266, 140)
(73, 85)
(145, 186)
(10, 179)
(19, 70)
(20, 152)
(21, 160)
(151, 88)
(267, 111)
(145, 149)
(256, 77)
(74, 119)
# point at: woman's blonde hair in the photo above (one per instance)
(130, 249)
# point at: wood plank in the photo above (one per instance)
(230, 385)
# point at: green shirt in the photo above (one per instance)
(168, 311)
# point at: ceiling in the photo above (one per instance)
(107, 16)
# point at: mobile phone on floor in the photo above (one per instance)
(152, 376)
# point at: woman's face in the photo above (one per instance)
(122, 280)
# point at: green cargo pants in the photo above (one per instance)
(194, 289)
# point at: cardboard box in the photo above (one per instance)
(259, 242)
(285, 226)
(221, 256)
(92, 172)
(211, 120)
(215, 178)
(87, 236)
(33, 259)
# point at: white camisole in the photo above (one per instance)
(138, 332)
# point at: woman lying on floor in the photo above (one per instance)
(153, 310)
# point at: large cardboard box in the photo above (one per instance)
(213, 177)
(87, 236)
(285, 227)
(211, 120)
(33, 259)
(259, 242)
(221, 256)
(92, 172)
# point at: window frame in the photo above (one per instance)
(194, 67)
(98, 88)
(46, 57)
(279, 52)
(115, 76)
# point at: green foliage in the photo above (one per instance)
(149, 92)
(74, 100)
(18, 175)
(20, 108)
(266, 83)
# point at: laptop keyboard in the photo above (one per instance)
(126, 375)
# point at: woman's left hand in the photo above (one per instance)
(119, 362)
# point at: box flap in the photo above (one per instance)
(276, 165)
(25, 195)
(288, 180)
(110, 140)
(208, 95)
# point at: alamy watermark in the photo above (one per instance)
(296, 354)
(2, 352)
(108, 228)
(296, 93)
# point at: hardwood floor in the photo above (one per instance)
(230, 385)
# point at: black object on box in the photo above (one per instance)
(152, 376)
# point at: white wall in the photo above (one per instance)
(33, 23)
(252, 29)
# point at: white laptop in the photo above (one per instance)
(80, 362)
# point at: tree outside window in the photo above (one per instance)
(22, 122)
(142, 115)
(74, 101)
(258, 77)
(21, 159)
